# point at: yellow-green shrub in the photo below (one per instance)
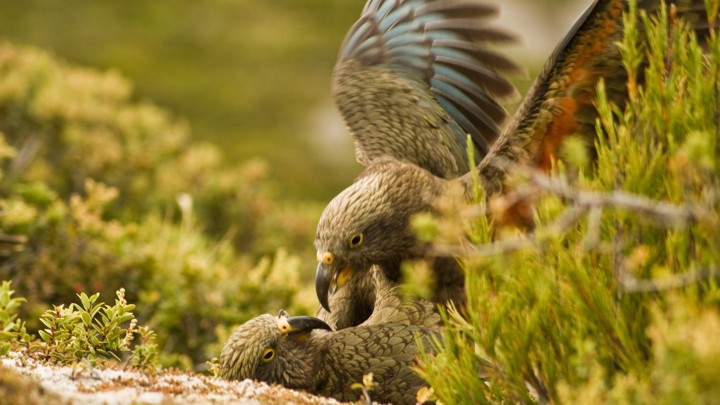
(613, 298)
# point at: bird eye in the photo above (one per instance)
(327, 258)
(356, 240)
(268, 355)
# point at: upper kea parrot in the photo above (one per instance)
(413, 78)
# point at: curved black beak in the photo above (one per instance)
(300, 324)
(323, 279)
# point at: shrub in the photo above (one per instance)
(70, 124)
(88, 331)
(92, 331)
(613, 297)
(186, 285)
(12, 329)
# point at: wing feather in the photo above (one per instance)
(415, 76)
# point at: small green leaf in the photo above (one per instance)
(125, 318)
(86, 318)
(85, 300)
(45, 336)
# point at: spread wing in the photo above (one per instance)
(561, 101)
(414, 77)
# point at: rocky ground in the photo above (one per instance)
(24, 381)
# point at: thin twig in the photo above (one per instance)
(486, 249)
(557, 227)
(677, 215)
(630, 284)
(669, 215)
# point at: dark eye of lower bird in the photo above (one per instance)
(268, 355)
(356, 240)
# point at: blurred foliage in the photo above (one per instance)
(613, 299)
(250, 76)
(106, 192)
(69, 123)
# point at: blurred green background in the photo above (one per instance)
(251, 76)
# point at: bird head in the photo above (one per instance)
(270, 348)
(368, 224)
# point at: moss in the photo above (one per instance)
(21, 390)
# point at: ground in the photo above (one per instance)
(24, 381)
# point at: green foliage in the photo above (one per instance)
(88, 331)
(365, 387)
(145, 353)
(214, 368)
(91, 331)
(12, 329)
(683, 369)
(613, 298)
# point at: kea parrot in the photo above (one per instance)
(413, 79)
(303, 353)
